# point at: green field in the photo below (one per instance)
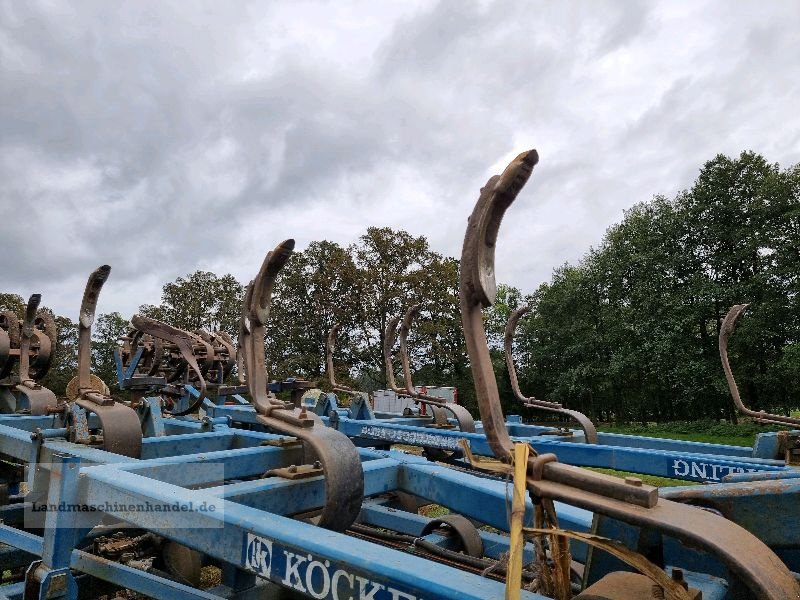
(713, 432)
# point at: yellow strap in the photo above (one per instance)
(517, 540)
(672, 589)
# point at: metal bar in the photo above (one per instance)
(288, 552)
(726, 330)
(61, 524)
(135, 579)
(285, 497)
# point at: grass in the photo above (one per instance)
(708, 431)
(653, 480)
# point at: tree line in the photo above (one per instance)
(627, 334)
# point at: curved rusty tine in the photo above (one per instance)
(405, 361)
(465, 421)
(184, 342)
(244, 323)
(389, 338)
(330, 346)
(253, 327)
(226, 342)
(27, 334)
(344, 475)
(725, 332)
(5, 350)
(589, 430)
(122, 432)
(750, 559)
(40, 399)
(85, 321)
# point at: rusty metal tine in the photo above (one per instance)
(184, 343)
(389, 338)
(511, 327)
(341, 464)
(25, 341)
(85, 321)
(259, 297)
(725, 332)
(330, 346)
(589, 430)
(477, 289)
(763, 572)
(244, 324)
(465, 421)
(405, 329)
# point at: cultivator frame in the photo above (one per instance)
(281, 494)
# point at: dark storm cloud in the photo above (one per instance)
(162, 137)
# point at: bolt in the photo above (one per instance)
(36, 435)
(317, 464)
(293, 469)
(634, 481)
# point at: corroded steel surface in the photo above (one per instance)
(465, 421)
(185, 344)
(589, 430)
(438, 406)
(759, 569)
(330, 346)
(122, 432)
(344, 475)
(725, 332)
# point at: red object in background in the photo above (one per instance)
(455, 395)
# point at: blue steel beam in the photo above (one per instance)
(487, 500)
(306, 558)
(679, 465)
(376, 514)
(114, 572)
(285, 497)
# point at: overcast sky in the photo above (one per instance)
(165, 137)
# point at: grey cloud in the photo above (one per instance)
(162, 138)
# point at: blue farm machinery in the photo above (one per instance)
(285, 491)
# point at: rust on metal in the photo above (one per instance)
(29, 344)
(465, 421)
(330, 346)
(725, 332)
(187, 345)
(589, 430)
(122, 432)
(295, 472)
(338, 457)
(756, 566)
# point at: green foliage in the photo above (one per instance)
(64, 365)
(201, 300)
(107, 330)
(316, 289)
(631, 332)
(628, 334)
(13, 302)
